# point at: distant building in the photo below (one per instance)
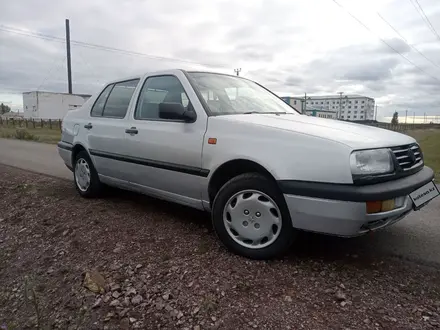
(48, 105)
(12, 114)
(349, 107)
(315, 112)
(295, 102)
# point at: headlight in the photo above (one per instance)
(370, 162)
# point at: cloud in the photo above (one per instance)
(393, 45)
(291, 47)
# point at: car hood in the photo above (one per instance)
(357, 136)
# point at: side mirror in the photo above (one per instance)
(176, 111)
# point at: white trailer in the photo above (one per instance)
(48, 105)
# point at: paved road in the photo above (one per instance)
(33, 156)
(417, 237)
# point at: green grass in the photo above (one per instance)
(429, 140)
(39, 134)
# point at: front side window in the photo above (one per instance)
(98, 107)
(227, 95)
(119, 99)
(156, 90)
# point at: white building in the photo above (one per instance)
(349, 107)
(322, 113)
(48, 105)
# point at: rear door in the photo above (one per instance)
(106, 128)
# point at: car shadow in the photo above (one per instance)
(306, 246)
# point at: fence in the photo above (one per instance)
(31, 123)
(403, 127)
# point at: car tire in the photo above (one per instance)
(85, 177)
(259, 205)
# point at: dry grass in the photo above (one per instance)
(39, 134)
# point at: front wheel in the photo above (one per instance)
(85, 176)
(251, 218)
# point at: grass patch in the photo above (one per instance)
(209, 304)
(429, 140)
(39, 134)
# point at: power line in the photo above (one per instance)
(406, 41)
(386, 43)
(56, 62)
(97, 46)
(424, 17)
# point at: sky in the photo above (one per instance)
(291, 47)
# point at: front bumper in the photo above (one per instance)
(337, 209)
(340, 218)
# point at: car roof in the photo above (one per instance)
(169, 71)
(140, 76)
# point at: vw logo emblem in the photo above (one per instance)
(411, 156)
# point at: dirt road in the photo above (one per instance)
(156, 265)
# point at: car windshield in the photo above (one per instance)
(227, 95)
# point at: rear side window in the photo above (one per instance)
(119, 99)
(98, 107)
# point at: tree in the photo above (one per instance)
(395, 119)
(4, 108)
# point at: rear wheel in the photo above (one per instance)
(85, 176)
(251, 218)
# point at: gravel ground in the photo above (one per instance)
(157, 265)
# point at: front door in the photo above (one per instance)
(166, 154)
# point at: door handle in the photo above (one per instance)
(88, 126)
(131, 131)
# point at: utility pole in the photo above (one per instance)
(375, 114)
(69, 65)
(304, 108)
(340, 104)
(406, 115)
(414, 118)
(237, 71)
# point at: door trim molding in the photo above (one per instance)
(65, 145)
(152, 163)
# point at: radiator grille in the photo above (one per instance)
(409, 156)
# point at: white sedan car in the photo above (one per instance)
(227, 145)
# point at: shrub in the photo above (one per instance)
(22, 134)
